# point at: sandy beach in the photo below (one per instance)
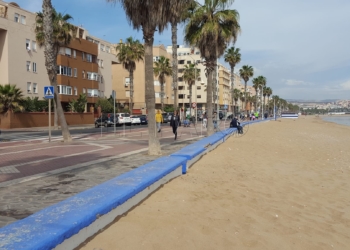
(283, 185)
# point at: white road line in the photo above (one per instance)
(35, 149)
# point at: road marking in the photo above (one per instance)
(8, 170)
(35, 149)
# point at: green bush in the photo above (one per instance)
(105, 104)
(79, 104)
(34, 104)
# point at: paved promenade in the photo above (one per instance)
(34, 175)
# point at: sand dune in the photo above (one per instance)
(284, 185)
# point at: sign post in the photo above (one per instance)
(114, 120)
(49, 94)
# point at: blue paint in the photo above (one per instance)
(51, 226)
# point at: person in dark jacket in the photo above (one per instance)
(236, 124)
(174, 122)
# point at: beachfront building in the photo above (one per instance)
(121, 84)
(82, 67)
(225, 101)
(186, 56)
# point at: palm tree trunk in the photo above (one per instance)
(190, 100)
(153, 142)
(232, 88)
(162, 96)
(55, 120)
(174, 43)
(245, 97)
(256, 103)
(50, 63)
(131, 77)
(210, 80)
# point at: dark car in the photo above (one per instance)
(143, 119)
(105, 121)
(165, 117)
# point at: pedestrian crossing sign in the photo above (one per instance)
(48, 92)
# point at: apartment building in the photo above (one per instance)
(224, 78)
(187, 56)
(83, 66)
(121, 84)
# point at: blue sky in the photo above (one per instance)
(302, 47)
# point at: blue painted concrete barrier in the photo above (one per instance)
(52, 225)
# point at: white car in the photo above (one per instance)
(135, 120)
(123, 118)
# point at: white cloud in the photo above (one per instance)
(291, 82)
(345, 85)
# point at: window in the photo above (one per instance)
(102, 47)
(108, 49)
(34, 68)
(101, 79)
(34, 45)
(181, 62)
(188, 96)
(181, 96)
(157, 94)
(127, 81)
(93, 92)
(198, 87)
(74, 53)
(84, 90)
(199, 96)
(181, 70)
(127, 93)
(75, 72)
(35, 88)
(75, 91)
(64, 90)
(28, 66)
(83, 74)
(16, 18)
(23, 20)
(27, 44)
(68, 52)
(69, 71)
(155, 58)
(188, 62)
(88, 57)
(198, 61)
(181, 87)
(29, 87)
(69, 90)
(58, 89)
(156, 83)
(197, 53)
(180, 79)
(83, 55)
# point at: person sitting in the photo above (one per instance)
(236, 124)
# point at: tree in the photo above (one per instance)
(79, 104)
(211, 27)
(52, 32)
(264, 93)
(128, 54)
(235, 96)
(10, 97)
(190, 75)
(149, 15)
(161, 70)
(181, 11)
(105, 104)
(268, 93)
(233, 56)
(245, 73)
(34, 104)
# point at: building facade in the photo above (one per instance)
(83, 67)
(121, 84)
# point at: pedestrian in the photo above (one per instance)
(205, 120)
(175, 122)
(159, 120)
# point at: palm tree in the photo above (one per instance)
(10, 96)
(190, 75)
(52, 32)
(268, 93)
(161, 70)
(264, 93)
(149, 15)
(256, 85)
(211, 27)
(181, 11)
(233, 56)
(128, 54)
(235, 96)
(242, 98)
(245, 73)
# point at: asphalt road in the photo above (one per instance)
(18, 135)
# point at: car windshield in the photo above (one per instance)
(125, 115)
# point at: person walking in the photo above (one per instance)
(159, 120)
(215, 120)
(174, 122)
(205, 119)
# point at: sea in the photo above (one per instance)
(343, 120)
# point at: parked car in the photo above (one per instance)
(105, 121)
(165, 118)
(135, 120)
(123, 118)
(143, 119)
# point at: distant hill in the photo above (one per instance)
(311, 101)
